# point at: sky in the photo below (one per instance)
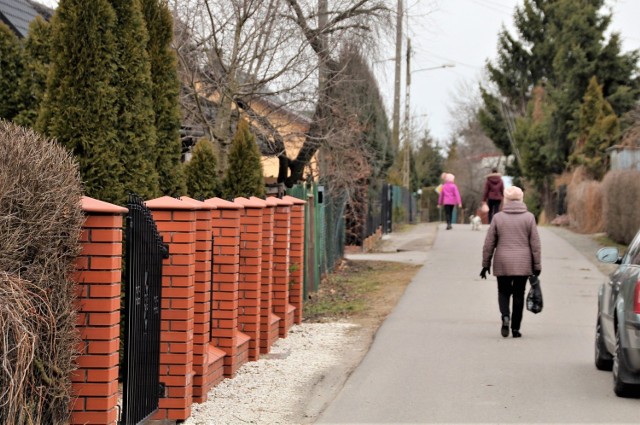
(463, 33)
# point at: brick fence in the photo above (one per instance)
(231, 286)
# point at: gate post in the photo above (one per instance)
(281, 276)
(176, 221)
(251, 271)
(269, 322)
(225, 333)
(98, 274)
(297, 265)
(207, 359)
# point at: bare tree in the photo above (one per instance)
(472, 145)
(285, 51)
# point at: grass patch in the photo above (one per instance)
(603, 240)
(354, 289)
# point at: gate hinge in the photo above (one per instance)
(162, 390)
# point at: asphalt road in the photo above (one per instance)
(439, 356)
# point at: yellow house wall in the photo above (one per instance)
(292, 129)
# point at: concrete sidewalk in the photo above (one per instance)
(408, 246)
(439, 356)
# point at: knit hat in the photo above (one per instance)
(449, 178)
(513, 193)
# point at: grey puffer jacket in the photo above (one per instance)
(512, 242)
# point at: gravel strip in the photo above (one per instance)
(275, 389)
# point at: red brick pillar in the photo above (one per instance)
(207, 359)
(251, 271)
(269, 322)
(176, 221)
(281, 276)
(225, 333)
(98, 274)
(296, 259)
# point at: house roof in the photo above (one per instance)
(17, 14)
(45, 11)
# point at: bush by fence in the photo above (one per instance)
(40, 222)
(584, 203)
(621, 194)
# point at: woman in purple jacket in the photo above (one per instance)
(449, 197)
(514, 245)
(492, 194)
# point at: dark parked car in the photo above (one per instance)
(617, 345)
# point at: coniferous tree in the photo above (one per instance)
(11, 66)
(598, 129)
(80, 104)
(33, 83)
(428, 162)
(532, 133)
(244, 175)
(201, 172)
(561, 45)
(135, 126)
(165, 93)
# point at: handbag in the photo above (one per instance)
(534, 297)
(484, 208)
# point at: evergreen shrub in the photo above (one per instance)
(201, 172)
(244, 176)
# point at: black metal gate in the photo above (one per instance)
(144, 252)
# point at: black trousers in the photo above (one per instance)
(494, 207)
(448, 213)
(512, 287)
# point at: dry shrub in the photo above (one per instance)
(21, 319)
(621, 191)
(584, 203)
(40, 224)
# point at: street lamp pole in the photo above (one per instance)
(406, 160)
(398, 69)
(406, 163)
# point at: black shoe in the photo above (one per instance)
(449, 227)
(516, 333)
(504, 330)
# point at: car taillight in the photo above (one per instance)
(636, 298)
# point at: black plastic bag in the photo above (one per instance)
(534, 297)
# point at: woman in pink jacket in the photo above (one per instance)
(513, 244)
(449, 197)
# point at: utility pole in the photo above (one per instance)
(398, 71)
(406, 172)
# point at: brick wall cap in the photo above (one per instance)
(223, 204)
(281, 202)
(253, 202)
(199, 204)
(271, 201)
(96, 206)
(295, 200)
(169, 203)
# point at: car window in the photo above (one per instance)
(632, 255)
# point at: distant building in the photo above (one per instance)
(624, 158)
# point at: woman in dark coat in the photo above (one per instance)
(513, 244)
(493, 192)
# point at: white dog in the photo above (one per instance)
(475, 222)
